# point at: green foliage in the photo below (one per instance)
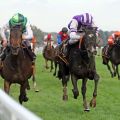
(48, 103)
(104, 35)
(40, 35)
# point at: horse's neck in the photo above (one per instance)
(22, 54)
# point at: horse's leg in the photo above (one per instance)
(28, 86)
(117, 71)
(75, 88)
(7, 86)
(93, 101)
(99, 51)
(33, 79)
(46, 64)
(64, 83)
(109, 68)
(83, 90)
(114, 69)
(51, 65)
(23, 96)
(55, 63)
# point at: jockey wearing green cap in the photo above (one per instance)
(17, 19)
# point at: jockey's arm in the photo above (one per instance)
(3, 35)
(59, 39)
(28, 34)
(73, 30)
(3, 30)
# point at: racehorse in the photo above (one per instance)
(82, 65)
(17, 66)
(63, 71)
(114, 58)
(48, 54)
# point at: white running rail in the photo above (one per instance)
(11, 110)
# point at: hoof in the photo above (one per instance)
(37, 90)
(87, 110)
(75, 93)
(93, 104)
(54, 74)
(112, 75)
(20, 101)
(65, 97)
(47, 67)
(25, 99)
(75, 97)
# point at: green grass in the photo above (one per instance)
(48, 103)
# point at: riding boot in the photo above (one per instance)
(31, 54)
(4, 52)
(3, 55)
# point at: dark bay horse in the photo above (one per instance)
(63, 69)
(48, 54)
(17, 66)
(82, 65)
(114, 58)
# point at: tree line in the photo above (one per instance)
(39, 34)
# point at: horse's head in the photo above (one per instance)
(89, 40)
(49, 45)
(15, 39)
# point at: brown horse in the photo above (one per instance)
(17, 66)
(48, 54)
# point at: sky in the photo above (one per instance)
(52, 15)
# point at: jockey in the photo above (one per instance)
(62, 35)
(76, 32)
(48, 38)
(76, 25)
(111, 40)
(18, 19)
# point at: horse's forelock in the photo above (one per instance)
(16, 32)
(15, 39)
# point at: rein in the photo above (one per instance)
(63, 59)
(80, 42)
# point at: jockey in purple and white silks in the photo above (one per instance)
(76, 24)
(75, 27)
